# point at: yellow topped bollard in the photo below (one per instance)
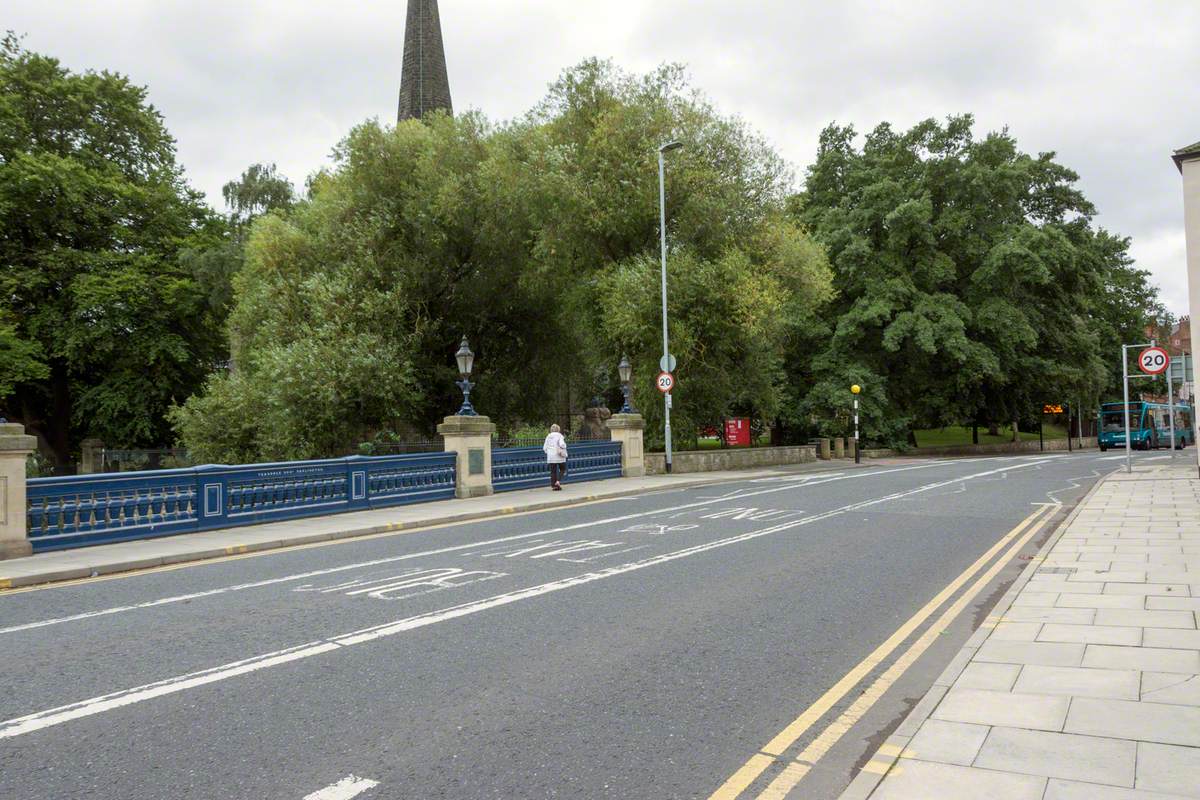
(855, 390)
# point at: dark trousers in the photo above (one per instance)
(557, 473)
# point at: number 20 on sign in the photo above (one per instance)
(1153, 361)
(665, 382)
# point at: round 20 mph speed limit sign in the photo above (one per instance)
(1153, 361)
(665, 382)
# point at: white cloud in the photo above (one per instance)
(1107, 85)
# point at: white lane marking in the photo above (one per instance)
(348, 787)
(96, 705)
(390, 560)
(1155, 458)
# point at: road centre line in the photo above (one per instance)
(758, 763)
(56, 716)
(819, 747)
(348, 787)
(439, 551)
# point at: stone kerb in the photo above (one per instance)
(471, 439)
(15, 447)
(628, 430)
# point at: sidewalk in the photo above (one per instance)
(1084, 684)
(141, 554)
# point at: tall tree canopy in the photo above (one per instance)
(538, 240)
(106, 329)
(973, 285)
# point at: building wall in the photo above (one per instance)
(1191, 224)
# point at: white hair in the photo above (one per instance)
(555, 429)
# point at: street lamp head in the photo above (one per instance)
(856, 388)
(465, 358)
(669, 146)
(625, 369)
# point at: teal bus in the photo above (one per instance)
(1150, 424)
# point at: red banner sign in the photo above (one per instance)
(737, 432)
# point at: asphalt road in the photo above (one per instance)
(644, 647)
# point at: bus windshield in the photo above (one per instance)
(1114, 421)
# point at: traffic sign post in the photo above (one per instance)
(1153, 361)
(1148, 362)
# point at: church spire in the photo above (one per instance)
(424, 84)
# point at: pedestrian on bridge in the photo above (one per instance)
(555, 448)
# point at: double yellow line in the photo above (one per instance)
(797, 768)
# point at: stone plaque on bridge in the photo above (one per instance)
(475, 461)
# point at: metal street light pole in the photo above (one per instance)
(662, 229)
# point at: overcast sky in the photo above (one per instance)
(1110, 86)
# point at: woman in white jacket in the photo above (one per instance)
(555, 448)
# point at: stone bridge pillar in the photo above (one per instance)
(15, 446)
(471, 439)
(92, 456)
(627, 429)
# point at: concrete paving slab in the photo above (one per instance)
(979, 675)
(1148, 722)
(1036, 599)
(1168, 768)
(986, 707)
(1053, 654)
(1079, 682)
(1069, 616)
(948, 742)
(1090, 634)
(1016, 631)
(1171, 688)
(1060, 755)
(1172, 638)
(1173, 603)
(922, 780)
(1100, 601)
(1146, 619)
(1058, 789)
(1154, 659)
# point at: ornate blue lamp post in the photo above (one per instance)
(625, 370)
(466, 360)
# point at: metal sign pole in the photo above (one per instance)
(1171, 407)
(1069, 443)
(1125, 388)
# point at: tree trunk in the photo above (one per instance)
(57, 427)
(993, 429)
(1016, 436)
(975, 433)
(912, 438)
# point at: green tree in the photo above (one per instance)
(93, 213)
(538, 240)
(973, 284)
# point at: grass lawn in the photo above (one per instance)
(940, 437)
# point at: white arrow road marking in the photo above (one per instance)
(347, 787)
(314, 573)
(96, 705)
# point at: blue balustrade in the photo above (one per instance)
(90, 509)
(526, 467)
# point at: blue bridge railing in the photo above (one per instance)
(525, 467)
(92, 509)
